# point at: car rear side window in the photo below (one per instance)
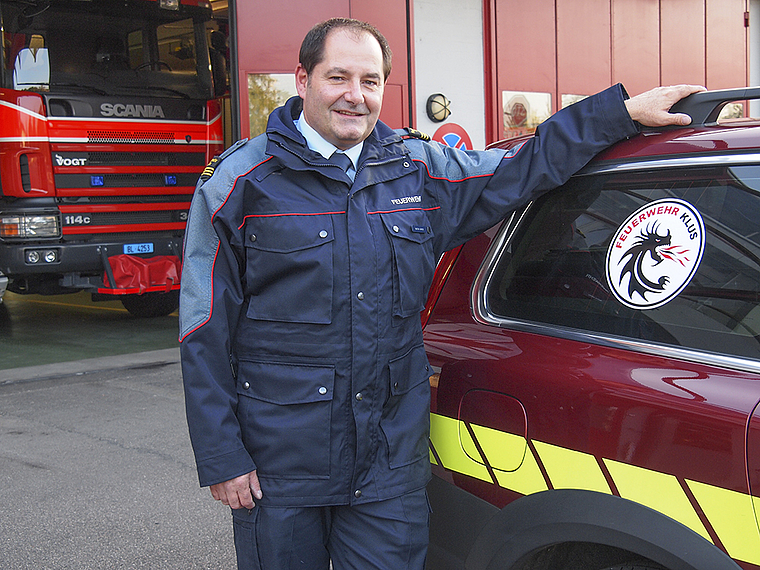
(669, 257)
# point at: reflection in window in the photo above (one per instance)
(731, 111)
(107, 48)
(266, 92)
(31, 70)
(524, 111)
(553, 271)
(569, 99)
(176, 46)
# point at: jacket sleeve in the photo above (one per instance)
(211, 301)
(478, 189)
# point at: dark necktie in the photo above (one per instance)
(342, 160)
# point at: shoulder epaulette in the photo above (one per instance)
(209, 170)
(410, 133)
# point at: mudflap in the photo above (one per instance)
(132, 275)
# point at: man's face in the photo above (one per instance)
(343, 95)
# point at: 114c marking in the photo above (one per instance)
(77, 220)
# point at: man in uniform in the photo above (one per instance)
(305, 375)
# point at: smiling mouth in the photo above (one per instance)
(350, 114)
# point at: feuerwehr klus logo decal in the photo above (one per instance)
(655, 253)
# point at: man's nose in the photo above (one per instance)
(354, 93)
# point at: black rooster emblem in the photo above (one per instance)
(647, 243)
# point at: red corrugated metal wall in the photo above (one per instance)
(269, 35)
(580, 47)
(559, 47)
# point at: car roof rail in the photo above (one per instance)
(705, 107)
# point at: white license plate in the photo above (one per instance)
(133, 248)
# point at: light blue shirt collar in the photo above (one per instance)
(317, 143)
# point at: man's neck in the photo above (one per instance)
(319, 144)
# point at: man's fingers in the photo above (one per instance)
(681, 91)
(254, 485)
(243, 500)
(652, 107)
(678, 93)
(681, 119)
(238, 493)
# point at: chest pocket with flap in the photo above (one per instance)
(413, 259)
(289, 268)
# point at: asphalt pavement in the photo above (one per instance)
(96, 470)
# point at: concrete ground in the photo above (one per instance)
(40, 329)
(96, 470)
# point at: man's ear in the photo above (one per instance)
(302, 80)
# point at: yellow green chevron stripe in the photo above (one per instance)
(504, 451)
(732, 515)
(570, 469)
(658, 491)
(444, 436)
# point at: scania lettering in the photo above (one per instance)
(120, 110)
(108, 115)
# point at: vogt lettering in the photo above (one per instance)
(63, 161)
(406, 200)
(129, 110)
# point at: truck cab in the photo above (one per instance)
(108, 114)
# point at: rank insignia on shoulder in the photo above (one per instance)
(410, 133)
(209, 170)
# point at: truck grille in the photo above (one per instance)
(121, 237)
(127, 180)
(124, 191)
(81, 200)
(129, 137)
(144, 158)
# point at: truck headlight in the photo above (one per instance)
(29, 226)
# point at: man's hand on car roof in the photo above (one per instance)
(651, 107)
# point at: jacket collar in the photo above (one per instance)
(289, 145)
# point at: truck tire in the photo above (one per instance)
(151, 304)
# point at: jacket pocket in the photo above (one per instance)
(285, 412)
(413, 259)
(405, 420)
(289, 268)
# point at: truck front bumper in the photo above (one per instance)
(80, 265)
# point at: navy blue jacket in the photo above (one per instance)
(302, 350)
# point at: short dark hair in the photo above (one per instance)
(313, 47)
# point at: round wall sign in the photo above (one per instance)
(453, 135)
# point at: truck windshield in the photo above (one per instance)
(106, 47)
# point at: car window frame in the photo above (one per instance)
(509, 227)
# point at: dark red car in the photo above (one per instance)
(597, 358)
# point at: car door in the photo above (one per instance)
(610, 342)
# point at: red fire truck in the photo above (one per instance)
(107, 117)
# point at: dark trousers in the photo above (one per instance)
(386, 535)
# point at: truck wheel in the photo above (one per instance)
(151, 304)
